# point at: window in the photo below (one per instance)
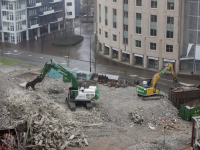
(170, 27)
(106, 34)
(69, 13)
(125, 14)
(125, 27)
(114, 37)
(115, 18)
(32, 12)
(138, 2)
(169, 48)
(114, 0)
(153, 3)
(125, 1)
(152, 46)
(114, 12)
(138, 23)
(106, 16)
(33, 22)
(153, 25)
(44, 8)
(99, 13)
(99, 31)
(170, 4)
(125, 40)
(137, 43)
(69, 4)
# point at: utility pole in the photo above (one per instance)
(90, 53)
(95, 53)
(80, 25)
(42, 42)
(87, 10)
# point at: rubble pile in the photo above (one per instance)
(47, 132)
(53, 125)
(186, 88)
(136, 117)
(43, 120)
(8, 141)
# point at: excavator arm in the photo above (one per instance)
(159, 74)
(51, 64)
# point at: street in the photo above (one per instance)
(30, 51)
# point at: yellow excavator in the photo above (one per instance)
(147, 89)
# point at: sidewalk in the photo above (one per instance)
(182, 73)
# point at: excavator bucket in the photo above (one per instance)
(33, 83)
(175, 82)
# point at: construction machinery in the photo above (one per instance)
(147, 89)
(76, 94)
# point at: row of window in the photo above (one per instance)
(153, 25)
(154, 3)
(138, 22)
(153, 46)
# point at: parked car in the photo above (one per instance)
(89, 16)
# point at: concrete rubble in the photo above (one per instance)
(44, 121)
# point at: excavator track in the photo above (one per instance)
(152, 97)
(71, 104)
(88, 105)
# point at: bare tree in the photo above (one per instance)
(87, 5)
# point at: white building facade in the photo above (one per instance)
(14, 20)
(21, 19)
(69, 9)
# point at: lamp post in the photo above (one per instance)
(90, 53)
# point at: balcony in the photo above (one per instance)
(55, 1)
(22, 6)
(56, 20)
(34, 26)
(35, 5)
(60, 19)
(47, 12)
(5, 7)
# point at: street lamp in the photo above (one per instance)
(90, 53)
(67, 60)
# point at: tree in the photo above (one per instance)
(86, 7)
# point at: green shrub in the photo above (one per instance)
(71, 40)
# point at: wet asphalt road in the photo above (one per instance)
(31, 52)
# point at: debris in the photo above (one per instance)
(136, 117)
(94, 125)
(151, 126)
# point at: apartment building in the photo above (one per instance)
(146, 33)
(77, 8)
(21, 19)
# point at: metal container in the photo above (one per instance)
(187, 110)
(183, 95)
(13, 133)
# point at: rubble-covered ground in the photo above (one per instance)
(118, 120)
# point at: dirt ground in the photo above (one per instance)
(108, 126)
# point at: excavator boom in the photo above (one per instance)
(150, 89)
(51, 64)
